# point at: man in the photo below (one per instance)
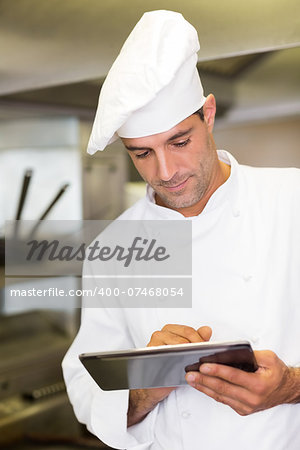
(246, 251)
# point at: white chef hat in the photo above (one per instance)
(153, 84)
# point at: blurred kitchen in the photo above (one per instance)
(54, 57)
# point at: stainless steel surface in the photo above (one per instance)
(32, 392)
(29, 345)
(51, 43)
(103, 182)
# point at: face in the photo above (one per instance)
(179, 164)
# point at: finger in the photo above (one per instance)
(223, 388)
(184, 331)
(205, 333)
(235, 404)
(266, 358)
(238, 377)
(166, 338)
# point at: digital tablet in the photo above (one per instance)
(164, 365)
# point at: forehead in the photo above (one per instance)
(187, 125)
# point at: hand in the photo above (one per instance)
(271, 385)
(173, 334)
(142, 401)
(179, 334)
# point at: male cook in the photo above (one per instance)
(246, 255)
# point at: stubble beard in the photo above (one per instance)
(202, 180)
(184, 199)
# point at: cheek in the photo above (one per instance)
(187, 162)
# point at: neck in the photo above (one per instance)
(221, 175)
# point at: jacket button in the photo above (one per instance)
(247, 277)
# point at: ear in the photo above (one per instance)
(209, 110)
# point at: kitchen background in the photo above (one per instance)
(54, 57)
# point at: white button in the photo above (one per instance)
(236, 212)
(185, 414)
(247, 277)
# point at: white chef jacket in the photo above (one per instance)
(246, 285)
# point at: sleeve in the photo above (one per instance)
(103, 412)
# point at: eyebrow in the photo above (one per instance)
(172, 138)
(180, 134)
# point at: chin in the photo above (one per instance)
(178, 203)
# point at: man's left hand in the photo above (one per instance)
(271, 385)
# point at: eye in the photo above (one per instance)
(182, 143)
(142, 155)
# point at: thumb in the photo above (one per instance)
(265, 358)
(205, 333)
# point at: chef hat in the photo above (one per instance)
(153, 84)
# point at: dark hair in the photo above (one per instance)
(200, 113)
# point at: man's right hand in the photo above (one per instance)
(172, 334)
(142, 401)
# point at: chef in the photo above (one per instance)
(246, 259)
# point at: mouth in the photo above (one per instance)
(178, 187)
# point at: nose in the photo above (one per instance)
(166, 167)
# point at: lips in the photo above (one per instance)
(178, 187)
